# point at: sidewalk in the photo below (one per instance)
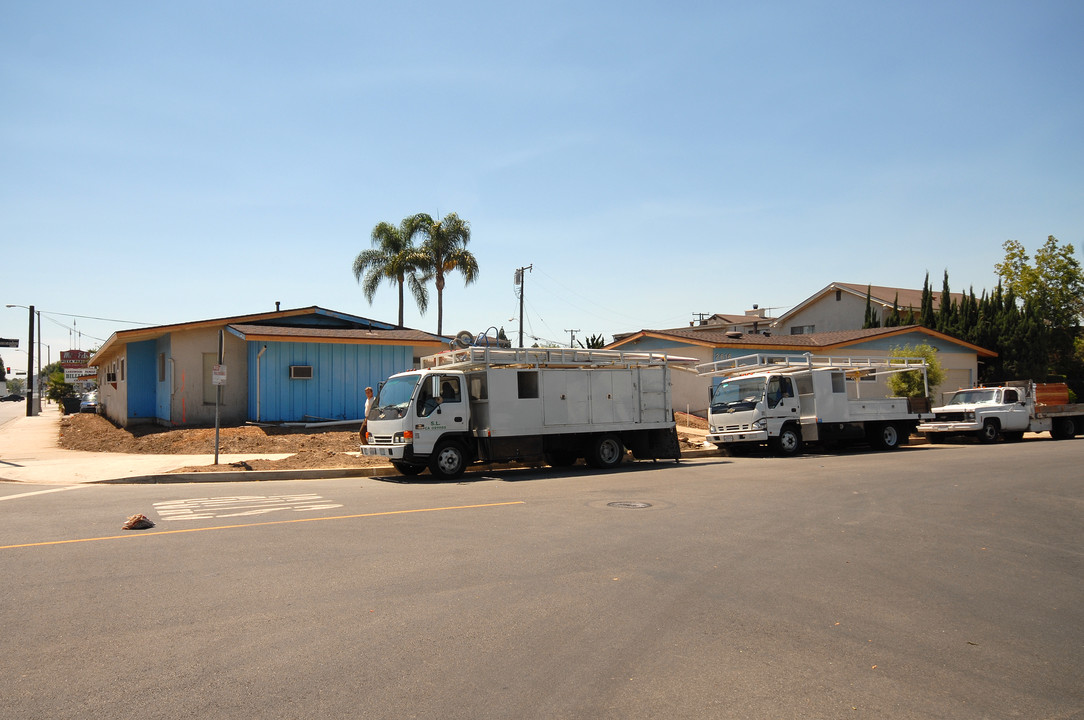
(29, 454)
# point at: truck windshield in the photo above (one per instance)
(739, 394)
(973, 397)
(394, 398)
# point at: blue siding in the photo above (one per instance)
(337, 388)
(141, 380)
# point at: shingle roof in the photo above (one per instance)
(335, 335)
(719, 338)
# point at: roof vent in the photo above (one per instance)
(733, 334)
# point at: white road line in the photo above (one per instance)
(43, 492)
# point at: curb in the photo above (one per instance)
(311, 474)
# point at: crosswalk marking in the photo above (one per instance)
(240, 506)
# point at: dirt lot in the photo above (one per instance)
(335, 447)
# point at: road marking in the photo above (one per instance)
(239, 506)
(260, 524)
(43, 492)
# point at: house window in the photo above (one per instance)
(802, 329)
(122, 369)
(839, 295)
(301, 372)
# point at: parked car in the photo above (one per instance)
(89, 402)
(14, 397)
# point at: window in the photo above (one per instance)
(528, 384)
(1011, 397)
(802, 329)
(839, 295)
(301, 372)
(122, 369)
(839, 383)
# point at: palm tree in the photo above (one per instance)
(394, 258)
(445, 250)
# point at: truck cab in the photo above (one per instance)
(752, 408)
(415, 415)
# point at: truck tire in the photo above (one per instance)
(448, 461)
(606, 452)
(886, 437)
(1063, 428)
(990, 432)
(789, 442)
(408, 468)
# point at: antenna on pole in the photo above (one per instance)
(518, 280)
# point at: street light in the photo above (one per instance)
(32, 408)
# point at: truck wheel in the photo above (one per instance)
(448, 461)
(1063, 428)
(788, 443)
(607, 452)
(408, 468)
(990, 432)
(886, 437)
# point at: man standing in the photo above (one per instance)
(365, 420)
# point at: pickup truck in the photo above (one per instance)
(1006, 412)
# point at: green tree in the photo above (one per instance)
(16, 385)
(1054, 287)
(445, 250)
(871, 321)
(926, 316)
(894, 319)
(394, 258)
(596, 342)
(909, 384)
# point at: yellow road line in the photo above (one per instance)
(259, 524)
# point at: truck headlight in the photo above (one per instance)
(969, 416)
(714, 429)
(759, 424)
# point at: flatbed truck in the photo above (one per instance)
(1006, 412)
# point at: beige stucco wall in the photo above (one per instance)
(829, 315)
(186, 374)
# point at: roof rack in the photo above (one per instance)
(794, 363)
(480, 357)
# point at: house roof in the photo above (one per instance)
(879, 294)
(306, 323)
(719, 338)
(334, 335)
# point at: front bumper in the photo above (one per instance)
(948, 427)
(397, 451)
(730, 438)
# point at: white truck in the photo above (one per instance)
(787, 401)
(1007, 411)
(491, 405)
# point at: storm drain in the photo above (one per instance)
(629, 505)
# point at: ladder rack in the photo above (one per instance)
(481, 357)
(794, 363)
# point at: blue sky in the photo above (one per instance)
(170, 162)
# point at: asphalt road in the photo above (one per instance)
(932, 582)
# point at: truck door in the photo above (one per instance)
(441, 409)
(1017, 416)
(781, 400)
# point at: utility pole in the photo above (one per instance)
(572, 337)
(30, 406)
(519, 291)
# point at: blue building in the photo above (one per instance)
(307, 364)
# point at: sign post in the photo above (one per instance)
(218, 379)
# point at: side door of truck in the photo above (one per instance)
(1016, 415)
(781, 402)
(441, 410)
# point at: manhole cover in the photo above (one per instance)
(627, 504)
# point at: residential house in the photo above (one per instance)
(709, 344)
(282, 366)
(842, 306)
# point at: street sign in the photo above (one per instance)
(8, 342)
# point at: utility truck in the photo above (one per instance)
(491, 405)
(1007, 411)
(788, 401)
